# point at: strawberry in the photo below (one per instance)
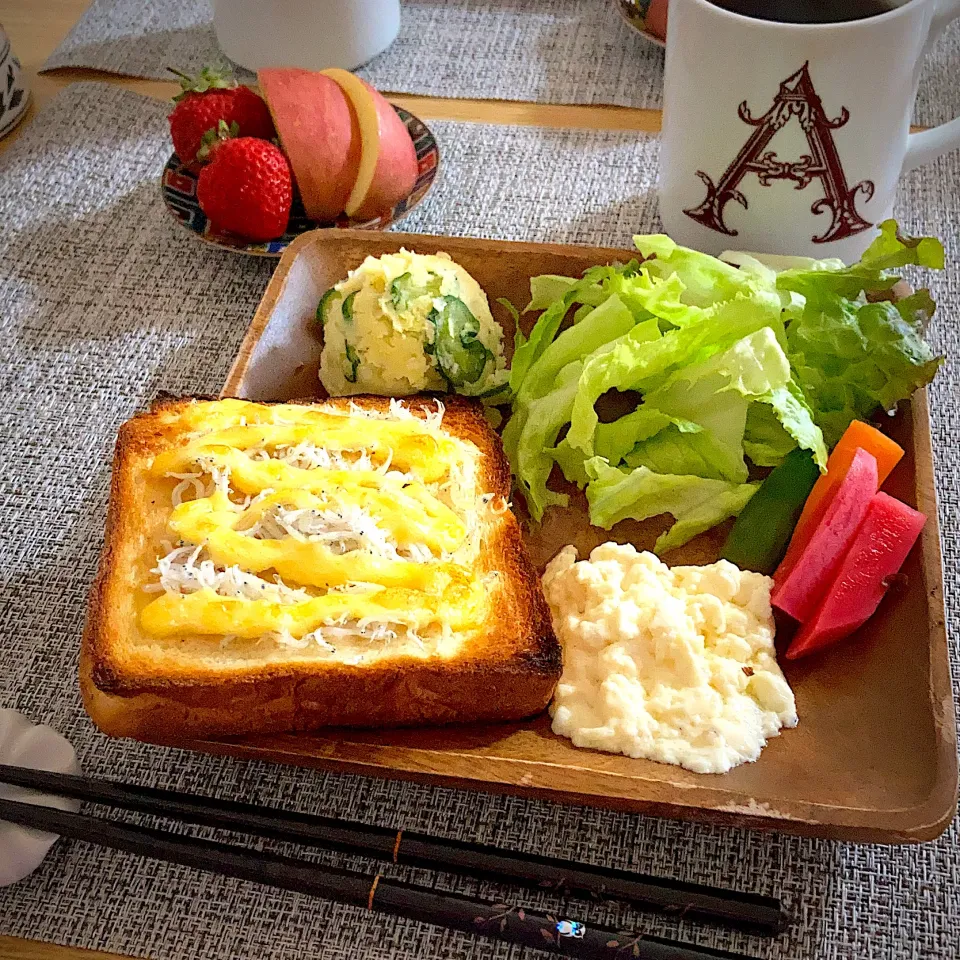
(205, 101)
(247, 188)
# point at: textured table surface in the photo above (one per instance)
(544, 51)
(562, 51)
(104, 301)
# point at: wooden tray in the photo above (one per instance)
(874, 757)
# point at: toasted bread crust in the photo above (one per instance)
(507, 672)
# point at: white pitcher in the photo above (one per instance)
(313, 34)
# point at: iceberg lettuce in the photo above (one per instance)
(695, 503)
(638, 362)
(736, 359)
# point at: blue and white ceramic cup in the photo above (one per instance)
(14, 93)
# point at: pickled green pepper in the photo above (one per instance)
(762, 532)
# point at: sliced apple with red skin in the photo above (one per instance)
(320, 133)
(388, 159)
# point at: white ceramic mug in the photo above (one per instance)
(313, 34)
(14, 93)
(790, 138)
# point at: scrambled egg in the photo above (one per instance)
(409, 322)
(674, 665)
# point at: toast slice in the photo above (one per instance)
(280, 567)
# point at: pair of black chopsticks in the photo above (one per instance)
(500, 921)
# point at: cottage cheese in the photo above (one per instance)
(674, 665)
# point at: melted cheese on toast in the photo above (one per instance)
(353, 530)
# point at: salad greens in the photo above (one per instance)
(735, 361)
(697, 503)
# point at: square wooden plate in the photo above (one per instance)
(874, 757)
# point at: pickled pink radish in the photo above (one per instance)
(881, 545)
(798, 588)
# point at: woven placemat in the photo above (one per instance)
(104, 300)
(542, 51)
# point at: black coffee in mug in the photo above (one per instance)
(808, 11)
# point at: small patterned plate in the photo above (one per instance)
(178, 185)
